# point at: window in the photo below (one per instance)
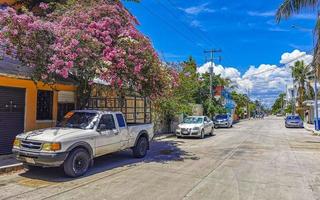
(120, 120)
(108, 121)
(44, 105)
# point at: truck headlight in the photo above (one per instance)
(17, 143)
(51, 146)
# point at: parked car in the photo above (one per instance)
(82, 136)
(293, 121)
(195, 126)
(224, 120)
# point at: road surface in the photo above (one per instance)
(257, 159)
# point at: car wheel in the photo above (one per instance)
(77, 163)
(202, 134)
(140, 150)
(212, 132)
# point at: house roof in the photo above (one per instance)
(13, 68)
(10, 66)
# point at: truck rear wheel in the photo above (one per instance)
(77, 163)
(140, 150)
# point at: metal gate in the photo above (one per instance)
(137, 110)
(12, 105)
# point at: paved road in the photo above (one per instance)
(257, 159)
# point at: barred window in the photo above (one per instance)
(44, 105)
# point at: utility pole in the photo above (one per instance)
(248, 105)
(316, 98)
(212, 52)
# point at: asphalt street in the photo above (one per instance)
(256, 159)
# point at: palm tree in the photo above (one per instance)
(300, 75)
(291, 7)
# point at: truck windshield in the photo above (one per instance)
(193, 120)
(82, 120)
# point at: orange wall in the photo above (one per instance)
(31, 99)
(9, 2)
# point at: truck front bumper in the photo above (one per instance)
(40, 158)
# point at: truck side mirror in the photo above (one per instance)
(101, 127)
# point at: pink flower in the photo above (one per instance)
(43, 6)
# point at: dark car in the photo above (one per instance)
(223, 121)
(293, 122)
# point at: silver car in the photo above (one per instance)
(293, 121)
(195, 126)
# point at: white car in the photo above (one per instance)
(195, 126)
(81, 136)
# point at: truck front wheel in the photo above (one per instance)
(77, 163)
(140, 150)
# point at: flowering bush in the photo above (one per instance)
(87, 40)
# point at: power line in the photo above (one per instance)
(186, 37)
(200, 34)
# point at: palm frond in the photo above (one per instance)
(290, 7)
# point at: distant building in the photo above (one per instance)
(223, 95)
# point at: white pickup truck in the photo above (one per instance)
(79, 138)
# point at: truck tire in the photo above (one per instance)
(140, 150)
(77, 163)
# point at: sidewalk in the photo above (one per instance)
(310, 127)
(8, 164)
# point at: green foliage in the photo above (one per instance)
(242, 101)
(278, 104)
(178, 102)
(289, 108)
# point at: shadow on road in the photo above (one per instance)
(160, 152)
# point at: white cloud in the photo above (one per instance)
(264, 82)
(289, 58)
(195, 10)
(270, 13)
(195, 23)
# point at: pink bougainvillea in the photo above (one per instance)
(96, 40)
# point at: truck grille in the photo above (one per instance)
(31, 145)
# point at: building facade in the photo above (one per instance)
(26, 105)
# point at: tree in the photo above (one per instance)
(179, 99)
(242, 101)
(291, 7)
(278, 104)
(300, 74)
(86, 40)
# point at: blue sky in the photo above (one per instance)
(245, 30)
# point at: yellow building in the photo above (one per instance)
(26, 105)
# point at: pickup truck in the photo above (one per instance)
(81, 136)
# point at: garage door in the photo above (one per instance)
(12, 103)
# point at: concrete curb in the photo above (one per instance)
(163, 136)
(308, 128)
(11, 168)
